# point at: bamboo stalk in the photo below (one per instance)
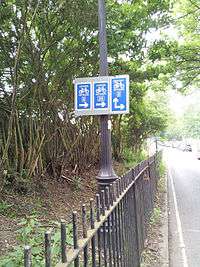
(20, 145)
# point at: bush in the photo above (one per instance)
(132, 158)
(31, 233)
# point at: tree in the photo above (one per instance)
(174, 130)
(44, 45)
(191, 122)
(182, 54)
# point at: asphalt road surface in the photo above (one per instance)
(184, 208)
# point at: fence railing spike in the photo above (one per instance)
(111, 194)
(107, 197)
(47, 238)
(84, 221)
(98, 207)
(103, 202)
(63, 242)
(114, 190)
(27, 256)
(118, 222)
(92, 220)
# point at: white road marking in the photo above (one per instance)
(178, 221)
(193, 230)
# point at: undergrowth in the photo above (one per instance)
(132, 158)
(31, 232)
(149, 256)
(5, 209)
(155, 217)
(162, 168)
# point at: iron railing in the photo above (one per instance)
(117, 223)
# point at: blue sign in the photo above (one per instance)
(83, 94)
(119, 94)
(101, 95)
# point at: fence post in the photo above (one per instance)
(92, 225)
(75, 236)
(151, 183)
(117, 237)
(27, 256)
(63, 242)
(136, 226)
(48, 249)
(84, 234)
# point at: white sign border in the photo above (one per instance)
(108, 111)
(100, 110)
(75, 97)
(127, 95)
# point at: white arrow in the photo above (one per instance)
(121, 106)
(84, 105)
(102, 104)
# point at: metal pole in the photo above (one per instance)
(106, 174)
(156, 142)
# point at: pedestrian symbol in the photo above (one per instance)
(101, 95)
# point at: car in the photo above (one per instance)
(187, 148)
(198, 154)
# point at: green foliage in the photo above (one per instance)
(155, 217)
(31, 233)
(146, 119)
(187, 125)
(7, 209)
(4, 207)
(149, 115)
(53, 46)
(174, 130)
(132, 158)
(43, 47)
(162, 168)
(77, 183)
(162, 181)
(191, 122)
(182, 54)
(127, 23)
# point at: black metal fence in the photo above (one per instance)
(113, 230)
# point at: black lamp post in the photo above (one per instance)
(106, 174)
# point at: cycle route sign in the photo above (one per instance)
(102, 95)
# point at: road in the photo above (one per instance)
(184, 208)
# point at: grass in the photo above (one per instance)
(162, 169)
(7, 209)
(132, 158)
(4, 207)
(162, 180)
(161, 188)
(155, 217)
(129, 160)
(31, 232)
(149, 257)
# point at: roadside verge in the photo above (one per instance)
(156, 252)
